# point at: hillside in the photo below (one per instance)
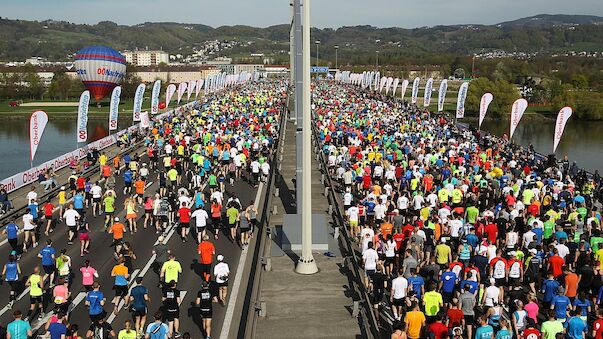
(56, 40)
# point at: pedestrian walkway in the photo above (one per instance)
(312, 306)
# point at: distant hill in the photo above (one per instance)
(548, 20)
(56, 40)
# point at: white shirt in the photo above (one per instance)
(417, 202)
(221, 272)
(28, 224)
(353, 213)
(347, 198)
(265, 168)
(380, 210)
(96, 191)
(31, 196)
(492, 294)
(563, 250)
(70, 216)
(399, 285)
(370, 258)
(255, 167)
(403, 203)
(184, 199)
(218, 196)
(201, 217)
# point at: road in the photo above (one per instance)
(101, 257)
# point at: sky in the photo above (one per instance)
(325, 13)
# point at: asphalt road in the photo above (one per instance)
(101, 257)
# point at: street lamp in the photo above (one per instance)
(336, 48)
(317, 42)
(377, 60)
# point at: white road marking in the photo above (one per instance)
(233, 296)
(39, 323)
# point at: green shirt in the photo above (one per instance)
(549, 228)
(109, 204)
(171, 268)
(550, 329)
(232, 214)
(432, 301)
(34, 284)
(472, 213)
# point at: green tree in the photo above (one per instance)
(60, 86)
(504, 94)
(580, 81)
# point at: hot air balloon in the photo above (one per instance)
(162, 105)
(100, 68)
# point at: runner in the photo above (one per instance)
(11, 272)
(205, 304)
(206, 251)
(138, 299)
(221, 273)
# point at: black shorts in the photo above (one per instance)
(73, 229)
(170, 315)
(232, 225)
(48, 269)
(96, 200)
(127, 184)
(206, 313)
(470, 320)
(206, 268)
(389, 260)
(148, 211)
(500, 282)
(33, 300)
(398, 302)
(139, 312)
(97, 317)
(184, 225)
(224, 284)
(120, 291)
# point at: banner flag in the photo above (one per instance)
(155, 97)
(517, 110)
(415, 90)
(114, 108)
(395, 86)
(37, 124)
(191, 87)
(181, 90)
(403, 89)
(442, 94)
(138, 97)
(427, 94)
(460, 100)
(169, 93)
(564, 114)
(483, 107)
(382, 84)
(82, 117)
(198, 88)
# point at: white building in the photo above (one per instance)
(146, 58)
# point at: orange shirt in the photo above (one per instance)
(116, 161)
(118, 230)
(206, 251)
(139, 187)
(106, 171)
(120, 270)
(386, 229)
(571, 281)
(414, 320)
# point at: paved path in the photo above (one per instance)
(102, 259)
(312, 306)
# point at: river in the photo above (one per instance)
(58, 139)
(582, 141)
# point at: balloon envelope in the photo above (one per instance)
(162, 105)
(100, 68)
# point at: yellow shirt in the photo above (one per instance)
(442, 254)
(102, 159)
(34, 284)
(171, 268)
(62, 197)
(432, 301)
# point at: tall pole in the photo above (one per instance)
(299, 99)
(336, 48)
(292, 48)
(306, 263)
(377, 60)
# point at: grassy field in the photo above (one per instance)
(125, 109)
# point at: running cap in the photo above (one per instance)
(220, 257)
(116, 219)
(62, 188)
(160, 239)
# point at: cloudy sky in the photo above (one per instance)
(325, 13)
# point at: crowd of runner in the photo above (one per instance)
(193, 156)
(462, 235)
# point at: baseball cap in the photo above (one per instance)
(220, 257)
(116, 219)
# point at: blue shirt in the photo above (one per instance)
(560, 303)
(416, 283)
(448, 281)
(56, 330)
(138, 294)
(503, 334)
(94, 299)
(78, 202)
(47, 253)
(33, 210)
(155, 333)
(549, 287)
(484, 332)
(576, 328)
(473, 285)
(128, 176)
(585, 304)
(11, 230)
(11, 274)
(18, 329)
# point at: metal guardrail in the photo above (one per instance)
(19, 211)
(253, 305)
(365, 310)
